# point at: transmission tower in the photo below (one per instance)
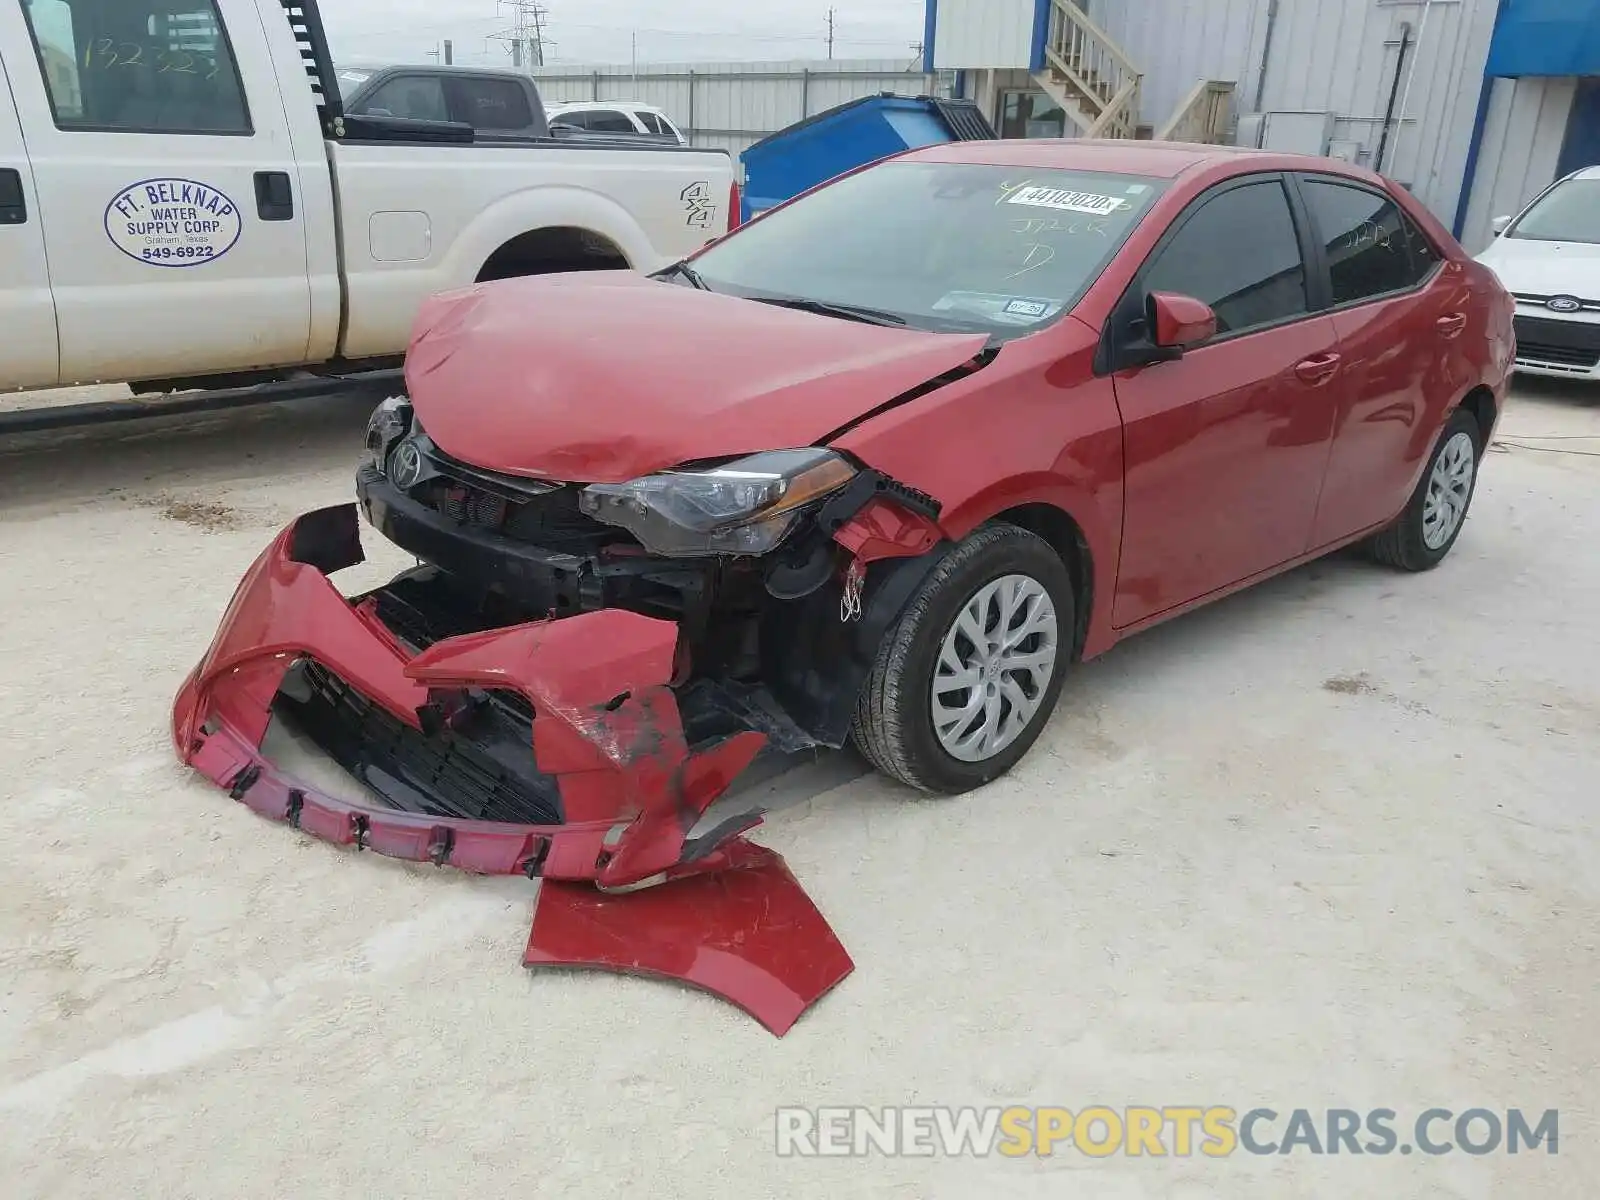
(528, 42)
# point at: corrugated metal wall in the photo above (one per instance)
(984, 33)
(1340, 56)
(1521, 145)
(731, 105)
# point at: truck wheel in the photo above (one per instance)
(965, 681)
(1426, 531)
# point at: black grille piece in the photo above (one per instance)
(479, 768)
(1570, 335)
(1559, 356)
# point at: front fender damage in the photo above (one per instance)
(623, 887)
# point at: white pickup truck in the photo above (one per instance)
(184, 203)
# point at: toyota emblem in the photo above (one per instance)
(1563, 304)
(405, 467)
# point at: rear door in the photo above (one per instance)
(162, 157)
(1224, 448)
(1403, 314)
(28, 351)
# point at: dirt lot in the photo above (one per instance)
(1328, 844)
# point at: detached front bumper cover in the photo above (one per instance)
(624, 886)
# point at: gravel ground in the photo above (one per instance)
(1327, 844)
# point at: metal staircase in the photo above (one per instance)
(1088, 75)
(1098, 85)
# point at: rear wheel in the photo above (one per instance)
(966, 680)
(1426, 531)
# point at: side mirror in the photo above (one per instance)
(562, 129)
(1178, 322)
(1501, 224)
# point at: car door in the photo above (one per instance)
(174, 232)
(1224, 448)
(29, 355)
(1402, 315)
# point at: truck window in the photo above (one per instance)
(490, 103)
(610, 121)
(652, 122)
(413, 97)
(149, 66)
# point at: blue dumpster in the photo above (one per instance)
(786, 163)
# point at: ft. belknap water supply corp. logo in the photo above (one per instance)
(1563, 304)
(173, 222)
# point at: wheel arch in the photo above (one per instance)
(1485, 409)
(553, 248)
(1066, 537)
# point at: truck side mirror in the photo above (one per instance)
(1501, 224)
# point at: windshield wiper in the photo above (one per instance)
(689, 273)
(850, 312)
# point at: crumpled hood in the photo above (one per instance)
(1545, 268)
(599, 377)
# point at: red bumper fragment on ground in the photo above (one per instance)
(748, 933)
(728, 918)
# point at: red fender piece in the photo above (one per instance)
(882, 529)
(748, 933)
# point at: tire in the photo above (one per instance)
(894, 723)
(1405, 544)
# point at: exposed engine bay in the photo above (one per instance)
(569, 683)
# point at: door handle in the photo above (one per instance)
(274, 196)
(1317, 371)
(1453, 325)
(13, 204)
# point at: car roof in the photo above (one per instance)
(626, 105)
(1586, 173)
(1159, 160)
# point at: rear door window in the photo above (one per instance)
(138, 66)
(1240, 254)
(491, 104)
(1371, 247)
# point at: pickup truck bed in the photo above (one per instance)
(193, 208)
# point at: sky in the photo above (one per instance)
(606, 31)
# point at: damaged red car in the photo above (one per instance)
(876, 468)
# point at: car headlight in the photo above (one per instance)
(389, 422)
(743, 507)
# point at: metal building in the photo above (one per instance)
(1473, 104)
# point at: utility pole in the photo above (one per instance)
(830, 33)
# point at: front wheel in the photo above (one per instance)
(1426, 531)
(966, 680)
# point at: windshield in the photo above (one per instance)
(939, 245)
(1569, 212)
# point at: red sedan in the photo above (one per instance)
(879, 467)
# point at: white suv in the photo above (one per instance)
(1549, 258)
(616, 117)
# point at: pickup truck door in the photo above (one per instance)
(161, 154)
(29, 356)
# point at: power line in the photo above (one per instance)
(528, 42)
